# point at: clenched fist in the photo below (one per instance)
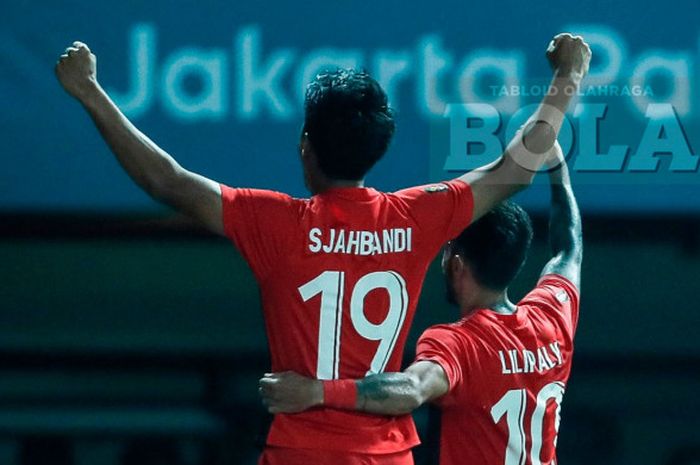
(289, 392)
(569, 56)
(76, 70)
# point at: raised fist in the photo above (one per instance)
(76, 70)
(569, 56)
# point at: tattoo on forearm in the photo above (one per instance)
(375, 387)
(387, 389)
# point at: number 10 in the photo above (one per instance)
(512, 405)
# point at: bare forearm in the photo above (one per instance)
(146, 163)
(389, 394)
(525, 154)
(544, 125)
(383, 394)
(565, 218)
(565, 234)
(540, 132)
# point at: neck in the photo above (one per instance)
(322, 185)
(343, 183)
(495, 301)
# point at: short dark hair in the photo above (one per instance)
(348, 122)
(496, 245)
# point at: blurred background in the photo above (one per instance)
(128, 336)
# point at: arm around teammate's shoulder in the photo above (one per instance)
(438, 369)
(401, 393)
(382, 394)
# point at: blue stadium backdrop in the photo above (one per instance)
(220, 86)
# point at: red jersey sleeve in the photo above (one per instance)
(558, 294)
(258, 222)
(441, 210)
(442, 345)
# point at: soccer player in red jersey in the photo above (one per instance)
(499, 374)
(340, 273)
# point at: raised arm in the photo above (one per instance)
(569, 57)
(565, 235)
(384, 394)
(153, 169)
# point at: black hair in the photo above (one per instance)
(496, 245)
(348, 122)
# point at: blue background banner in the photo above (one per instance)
(220, 86)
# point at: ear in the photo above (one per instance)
(305, 148)
(457, 265)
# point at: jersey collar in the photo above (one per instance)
(351, 193)
(516, 319)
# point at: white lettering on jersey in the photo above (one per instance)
(315, 240)
(396, 240)
(515, 361)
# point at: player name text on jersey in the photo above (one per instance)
(395, 240)
(517, 361)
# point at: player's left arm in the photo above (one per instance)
(384, 393)
(565, 232)
(154, 170)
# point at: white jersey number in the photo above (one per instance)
(331, 286)
(513, 405)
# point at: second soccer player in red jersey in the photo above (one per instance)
(340, 273)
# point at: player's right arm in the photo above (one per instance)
(401, 393)
(565, 234)
(153, 169)
(569, 57)
(382, 394)
(438, 368)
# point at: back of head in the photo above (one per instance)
(348, 122)
(496, 245)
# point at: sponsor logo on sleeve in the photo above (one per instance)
(436, 188)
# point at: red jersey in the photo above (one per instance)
(507, 375)
(340, 275)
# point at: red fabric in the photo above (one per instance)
(486, 382)
(284, 456)
(305, 271)
(340, 393)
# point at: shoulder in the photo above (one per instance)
(444, 345)
(262, 195)
(252, 212)
(554, 289)
(444, 208)
(556, 297)
(433, 190)
(452, 337)
(260, 203)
